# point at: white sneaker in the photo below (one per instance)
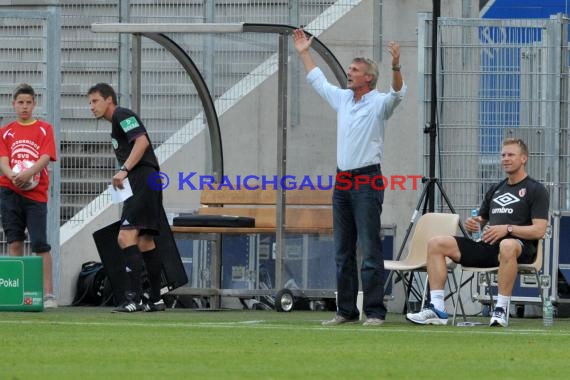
(428, 316)
(499, 318)
(339, 320)
(373, 322)
(50, 303)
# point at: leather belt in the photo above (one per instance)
(363, 170)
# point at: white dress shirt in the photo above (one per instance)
(360, 125)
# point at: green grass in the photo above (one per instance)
(92, 343)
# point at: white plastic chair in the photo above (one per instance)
(429, 225)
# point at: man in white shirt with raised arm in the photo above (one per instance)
(362, 112)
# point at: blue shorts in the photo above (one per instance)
(19, 213)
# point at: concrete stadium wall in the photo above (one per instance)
(249, 131)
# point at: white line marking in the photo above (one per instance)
(267, 325)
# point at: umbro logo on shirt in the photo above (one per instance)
(504, 200)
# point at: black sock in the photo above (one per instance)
(134, 260)
(154, 270)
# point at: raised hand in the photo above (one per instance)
(302, 42)
(394, 50)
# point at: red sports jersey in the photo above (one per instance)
(28, 142)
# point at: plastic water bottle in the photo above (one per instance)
(547, 313)
(476, 235)
(547, 308)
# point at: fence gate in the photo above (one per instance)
(497, 79)
(29, 51)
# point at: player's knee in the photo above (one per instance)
(509, 249)
(146, 243)
(17, 245)
(126, 238)
(438, 245)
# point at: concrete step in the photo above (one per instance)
(83, 174)
(67, 211)
(92, 160)
(86, 148)
(89, 132)
(156, 94)
(78, 200)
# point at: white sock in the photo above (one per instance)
(437, 299)
(503, 301)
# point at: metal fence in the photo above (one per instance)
(29, 56)
(168, 96)
(497, 79)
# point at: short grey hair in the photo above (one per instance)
(371, 69)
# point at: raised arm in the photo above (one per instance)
(397, 79)
(302, 45)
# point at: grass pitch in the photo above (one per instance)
(92, 343)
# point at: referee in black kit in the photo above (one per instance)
(140, 217)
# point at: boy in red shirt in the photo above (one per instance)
(27, 146)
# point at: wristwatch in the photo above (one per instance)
(124, 169)
(509, 230)
(396, 67)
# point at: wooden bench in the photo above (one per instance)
(307, 211)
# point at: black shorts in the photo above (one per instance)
(19, 213)
(483, 255)
(143, 210)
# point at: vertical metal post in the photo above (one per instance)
(281, 157)
(208, 64)
(209, 48)
(305, 262)
(295, 105)
(53, 108)
(215, 271)
(423, 109)
(377, 31)
(136, 74)
(557, 44)
(432, 130)
(124, 53)
(208, 43)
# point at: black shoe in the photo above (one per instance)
(129, 307)
(155, 306)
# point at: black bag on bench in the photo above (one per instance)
(193, 220)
